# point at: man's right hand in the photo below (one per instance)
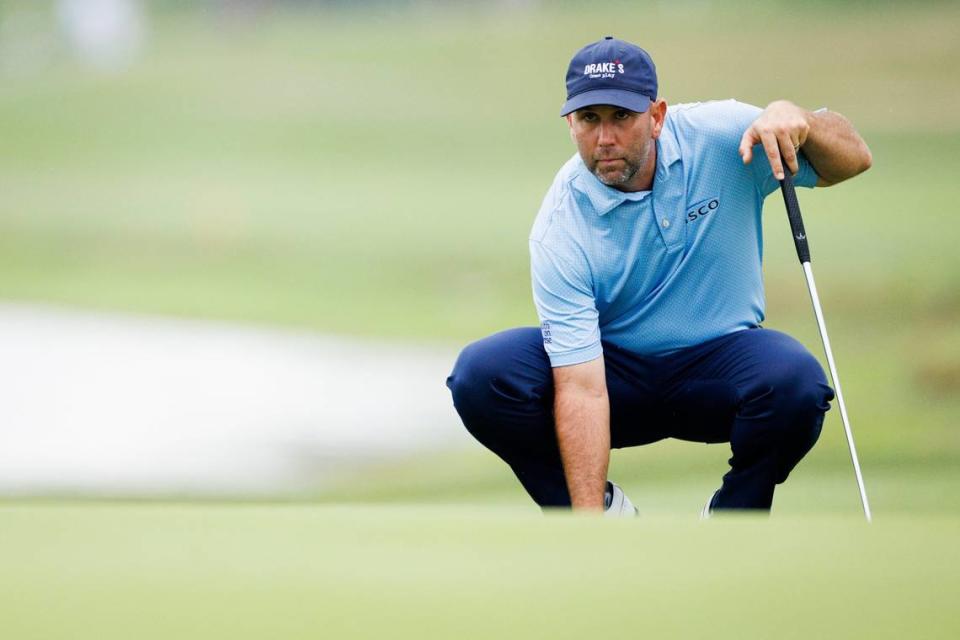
(582, 416)
(782, 128)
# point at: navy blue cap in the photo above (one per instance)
(612, 72)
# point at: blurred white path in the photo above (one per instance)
(95, 403)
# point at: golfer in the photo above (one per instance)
(646, 268)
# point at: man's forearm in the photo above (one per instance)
(834, 148)
(583, 434)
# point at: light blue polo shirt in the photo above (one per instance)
(660, 270)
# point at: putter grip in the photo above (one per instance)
(793, 214)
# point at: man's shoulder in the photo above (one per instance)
(710, 109)
(691, 118)
(558, 202)
(709, 129)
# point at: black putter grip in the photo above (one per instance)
(793, 214)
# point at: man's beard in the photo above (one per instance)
(613, 179)
(632, 163)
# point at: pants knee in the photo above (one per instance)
(790, 400)
(803, 390)
(802, 397)
(505, 376)
(469, 378)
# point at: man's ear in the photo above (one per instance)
(569, 118)
(658, 112)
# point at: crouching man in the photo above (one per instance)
(646, 269)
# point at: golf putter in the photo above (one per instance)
(803, 253)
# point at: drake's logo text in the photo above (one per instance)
(603, 69)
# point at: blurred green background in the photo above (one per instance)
(374, 170)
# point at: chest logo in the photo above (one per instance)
(702, 209)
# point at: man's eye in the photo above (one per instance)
(589, 117)
(621, 114)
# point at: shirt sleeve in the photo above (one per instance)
(566, 306)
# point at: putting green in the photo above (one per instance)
(302, 571)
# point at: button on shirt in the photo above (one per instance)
(657, 271)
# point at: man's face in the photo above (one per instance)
(617, 144)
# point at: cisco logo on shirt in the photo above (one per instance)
(603, 70)
(702, 209)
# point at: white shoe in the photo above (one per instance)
(706, 513)
(616, 504)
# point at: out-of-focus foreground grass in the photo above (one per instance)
(376, 173)
(200, 571)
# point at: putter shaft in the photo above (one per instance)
(822, 325)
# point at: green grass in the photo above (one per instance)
(296, 571)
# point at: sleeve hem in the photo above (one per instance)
(807, 178)
(577, 356)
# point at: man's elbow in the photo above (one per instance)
(866, 158)
(589, 390)
(586, 380)
(857, 164)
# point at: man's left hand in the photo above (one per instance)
(782, 128)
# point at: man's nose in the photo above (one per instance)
(606, 135)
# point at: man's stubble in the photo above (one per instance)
(633, 161)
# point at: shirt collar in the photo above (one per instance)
(605, 199)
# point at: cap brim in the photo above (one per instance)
(614, 97)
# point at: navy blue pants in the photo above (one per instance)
(758, 389)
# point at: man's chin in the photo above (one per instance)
(612, 178)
